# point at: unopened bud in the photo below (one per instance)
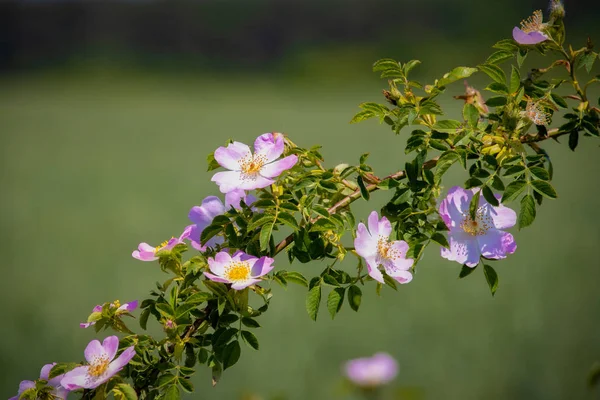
(556, 10)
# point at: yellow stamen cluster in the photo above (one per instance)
(385, 249)
(98, 366)
(251, 166)
(533, 23)
(536, 113)
(116, 304)
(479, 226)
(237, 271)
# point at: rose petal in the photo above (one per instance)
(464, 249)
(455, 206)
(75, 379)
(229, 157)
(365, 244)
(215, 278)
(528, 38)
(94, 350)
(244, 284)
(374, 272)
(270, 145)
(262, 266)
(111, 345)
(275, 169)
(228, 180)
(496, 244)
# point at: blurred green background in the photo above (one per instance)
(104, 141)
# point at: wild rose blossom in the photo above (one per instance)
(145, 252)
(102, 364)
(470, 239)
(240, 270)
(375, 247)
(531, 30)
(121, 309)
(59, 391)
(372, 371)
(203, 215)
(249, 171)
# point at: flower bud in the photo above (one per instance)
(556, 10)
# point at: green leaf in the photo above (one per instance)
(186, 385)
(456, 74)
(172, 393)
(444, 162)
(494, 72)
(288, 219)
(212, 163)
(496, 101)
(470, 114)
(260, 220)
(513, 190)
(559, 101)
(474, 206)
(60, 369)
(527, 211)
(544, 188)
(489, 196)
(540, 173)
(123, 391)
(521, 56)
(594, 375)
(251, 339)
(354, 297)
(587, 61)
(265, 236)
(514, 170)
(491, 277)
(363, 189)
(250, 322)
(217, 288)
(198, 298)
(335, 301)
(515, 80)
(499, 56)
(440, 239)
(322, 225)
(164, 380)
(466, 271)
(322, 211)
(296, 277)
(573, 140)
(209, 232)
(506, 44)
(448, 126)
(362, 116)
(166, 310)
(231, 354)
(313, 299)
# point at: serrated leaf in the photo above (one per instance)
(558, 100)
(527, 211)
(466, 271)
(186, 385)
(322, 211)
(363, 189)
(496, 101)
(313, 299)
(489, 196)
(540, 173)
(251, 339)
(288, 219)
(296, 277)
(448, 126)
(354, 297)
(513, 190)
(323, 225)
(165, 380)
(335, 301)
(123, 391)
(362, 116)
(265, 236)
(172, 393)
(231, 354)
(474, 205)
(166, 310)
(515, 80)
(250, 322)
(499, 56)
(544, 188)
(491, 277)
(60, 369)
(470, 114)
(456, 74)
(444, 162)
(440, 239)
(494, 72)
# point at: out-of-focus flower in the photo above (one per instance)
(470, 239)
(58, 391)
(556, 9)
(145, 252)
(203, 215)
(121, 309)
(536, 113)
(102, 364)
(372, 371)
(375, 247)
(531, 30)
(240, 270)
(249, 171)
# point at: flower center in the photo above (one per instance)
(533, 23)
(477, 227)
(251, 166)
(116, 304)
(385, 251)
(98, 366)
(237, 271)
(535, 112)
